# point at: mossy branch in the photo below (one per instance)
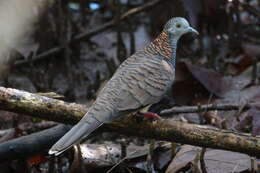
(51, 109)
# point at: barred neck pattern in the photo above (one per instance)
(160, 45)
(164, 45)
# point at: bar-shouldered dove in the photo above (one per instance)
(141, 80)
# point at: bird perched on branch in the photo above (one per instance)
(141, 80)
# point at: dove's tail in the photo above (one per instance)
(84, 127)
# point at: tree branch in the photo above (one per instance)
(202, 108)
(33, 144)
(92, 32)
(60, 111)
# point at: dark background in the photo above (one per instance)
(224, 60)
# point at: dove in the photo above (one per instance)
(141, 80)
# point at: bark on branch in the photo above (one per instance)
(60, 111)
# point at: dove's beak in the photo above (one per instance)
(190, 29)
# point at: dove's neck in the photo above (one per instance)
(164, 45)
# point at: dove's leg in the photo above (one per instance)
(149, 115)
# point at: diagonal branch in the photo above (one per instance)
(60, 111)
(92, 32)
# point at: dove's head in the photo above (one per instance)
(178, 26)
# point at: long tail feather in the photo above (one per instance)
(83, 128)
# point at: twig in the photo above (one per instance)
(60, 111)
(201, 108)
(120, 161)
(92, 32)
(254, 72)
(202, 162)
(149, 158)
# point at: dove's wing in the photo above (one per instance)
(141, 81)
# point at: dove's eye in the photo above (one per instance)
(178, 25)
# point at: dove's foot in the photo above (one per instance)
(149, 115)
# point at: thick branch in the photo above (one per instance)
(56, 110)
(202, 108)
(30, 145)
(92, 32)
